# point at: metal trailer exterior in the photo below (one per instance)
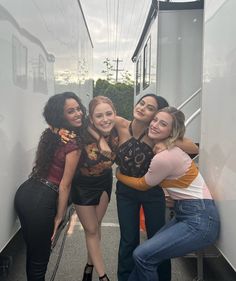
(215, 72)
(45, 48)
(218, 116)
(168, 57)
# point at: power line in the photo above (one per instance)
(113, 27)
(108, 36)
(117, 68)
(139, 25)
(121, 27)
(117, 22)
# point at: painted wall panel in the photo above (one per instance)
(218, 138)
(45, 48)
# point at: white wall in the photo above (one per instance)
(179, 61)
(176, 60)
(48, 29)
(218, 137)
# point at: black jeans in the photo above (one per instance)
(129, 202)
(36, 206)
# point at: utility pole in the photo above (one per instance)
(117, 68)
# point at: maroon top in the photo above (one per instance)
(58, 164)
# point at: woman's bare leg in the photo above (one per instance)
(91, 219)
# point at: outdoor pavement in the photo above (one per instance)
(74, 256)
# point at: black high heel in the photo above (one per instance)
(88, 272)
(104, 278)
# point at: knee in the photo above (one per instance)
(92, 231)
(144, 258)
(138, 256)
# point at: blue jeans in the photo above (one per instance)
(129, 202)
(195, 226)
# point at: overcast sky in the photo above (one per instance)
(115, 27)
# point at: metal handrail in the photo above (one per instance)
(189, 99)
(196, 157)
(192, 117)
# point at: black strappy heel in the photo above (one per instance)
(88, 272)
(104, 278)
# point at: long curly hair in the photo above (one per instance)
(49, 141)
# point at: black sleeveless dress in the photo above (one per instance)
(94, 173)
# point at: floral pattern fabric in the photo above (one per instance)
(93, 162)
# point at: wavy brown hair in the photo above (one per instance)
(49, 141)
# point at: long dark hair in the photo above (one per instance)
(161, 102)
(49, 141)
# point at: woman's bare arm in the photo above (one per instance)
(187, 146)
(72, 160)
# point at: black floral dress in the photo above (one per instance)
(94, 173)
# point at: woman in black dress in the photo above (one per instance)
(92, 185)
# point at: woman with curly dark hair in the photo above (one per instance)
(41, 200)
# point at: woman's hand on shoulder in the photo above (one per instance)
(102, 144)
(64, 134)
(105, 148)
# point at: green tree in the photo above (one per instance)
(121, 94)
(108, 69)
(100, 87)
(127, 78)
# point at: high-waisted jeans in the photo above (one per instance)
(36, 206)
(195, 226)
(129, 201)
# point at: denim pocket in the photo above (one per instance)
(189, 208)
(211, 230)
(188, 211)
